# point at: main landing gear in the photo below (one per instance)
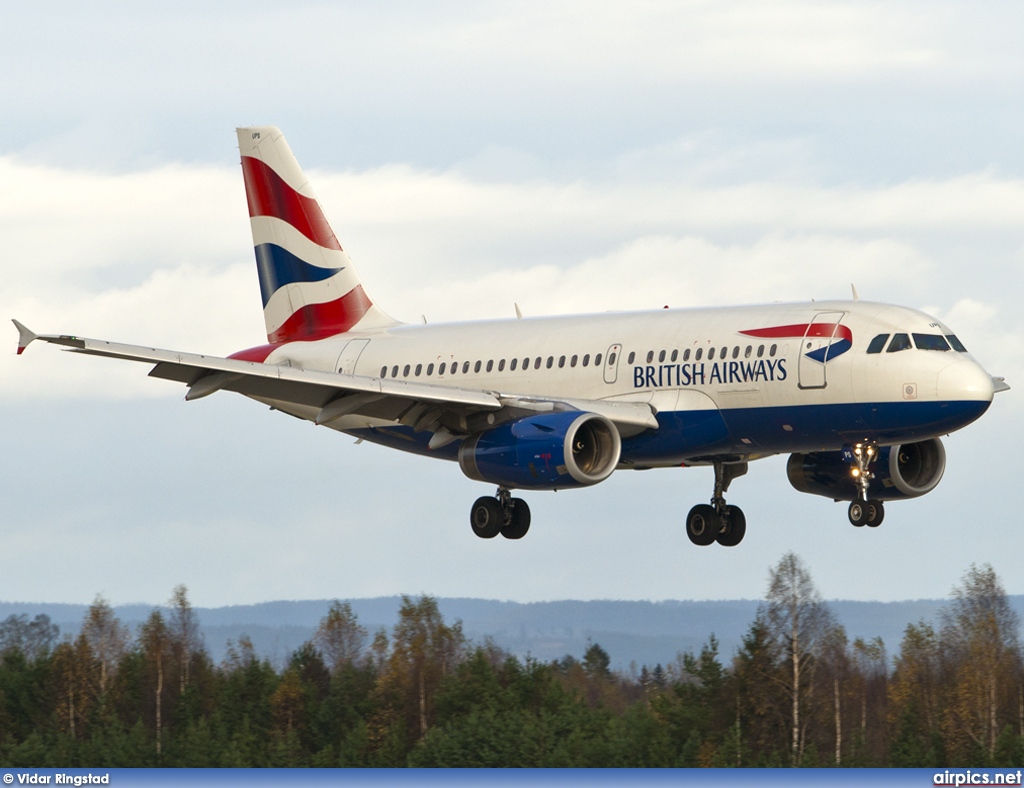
(502, 514)
(864, 510)
(718, 522)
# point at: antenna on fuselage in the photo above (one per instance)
(856, 295)
(519, 314)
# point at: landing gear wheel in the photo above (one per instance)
(875, 513)
(486, 517)
(703, 524)
(520, 520)
(858, 513)
(734, 527)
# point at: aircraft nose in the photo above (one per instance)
(965, 380)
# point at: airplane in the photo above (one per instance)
(857, 393)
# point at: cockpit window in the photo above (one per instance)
(958, 346)
(878, 343)
(930, 342)
(899, 342)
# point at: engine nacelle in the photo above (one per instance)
(904, 471)
(544, 452)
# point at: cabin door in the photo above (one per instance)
(611, 363)
(815, 349)
(350, 355)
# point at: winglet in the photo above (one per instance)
(25, 336)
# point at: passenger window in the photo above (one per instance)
(698, 354)
(383, 372)
(878, 343)
(430, 369)
(772, 349)
(675, 355)
(586, 359)
(476, 367)
(394, 371)
(686, 354)
(526, 364)
(650, 356)
(899, 342)
(538, 362)
(501, 365)
(465, 367)
(572, 361)
(405, 372)
(490, 364)
(746, 353)
(440, 370)
(611, 359)
(551, 360)
(419, 369)
(597, 360)
(724, 352)
(760, 351)
(736, 352)
(630, 358)
(958, 346)
(711, 354)
(930, 342)
(561, 361)
(512, 364)
(661, 356)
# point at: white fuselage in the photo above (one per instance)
(698, 368)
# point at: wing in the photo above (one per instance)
(448, 412)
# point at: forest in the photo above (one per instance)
(798, 692)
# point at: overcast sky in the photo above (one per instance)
(565, 156)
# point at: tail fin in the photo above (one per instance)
(309, 286)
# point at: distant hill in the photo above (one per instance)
(645, 633)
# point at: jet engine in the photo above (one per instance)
(904, 471)
(544, 452)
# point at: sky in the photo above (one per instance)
(566, 156)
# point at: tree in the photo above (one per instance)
(424, 650)
(982, 650)
(155, 641)
(914, 697)
(836, 658)
(106, 637)
(596, 662)
(797, 619)
(183, 630)
(73, 666)
(32, 638)
(340, 636)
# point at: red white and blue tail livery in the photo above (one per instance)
(857, 393)
(310, 289)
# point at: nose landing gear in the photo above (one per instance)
(864, 510)
(501, 514)
(718, 522)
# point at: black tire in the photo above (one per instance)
(486, 517)
(875, 513)
(858, 513)
(703, 524)
(734, 527)
(520, 520)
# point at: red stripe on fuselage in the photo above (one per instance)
(798, 330)
(269, 195)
